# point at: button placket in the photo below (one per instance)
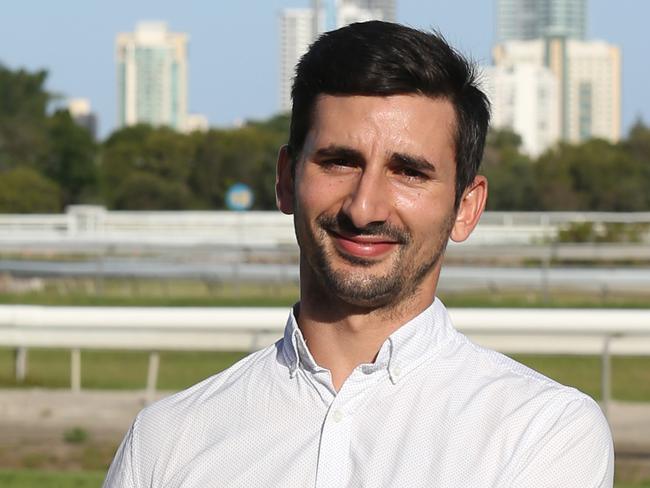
(333, 453)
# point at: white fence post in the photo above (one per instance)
(152, 375)
(75, 370)
(21, 364)
(606, 376)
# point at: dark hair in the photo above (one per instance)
(383, 58)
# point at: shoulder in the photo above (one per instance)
(570, 446)
(517, 383)
(209, 391)
(162, 428)
(561, 434)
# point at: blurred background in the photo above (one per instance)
(140, 247)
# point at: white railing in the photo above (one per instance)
(549, 331)
(93, 224)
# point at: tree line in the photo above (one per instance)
(48, 162)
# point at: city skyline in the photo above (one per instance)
(233, 53)
(550, 81)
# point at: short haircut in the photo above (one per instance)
(382, 58)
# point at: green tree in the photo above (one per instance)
(510, 173)
(555, 182)
(207, 179)
(24, 190)
(638, 142)
(70, 160)
(133, 152)
(23, 105)
(243, 155)
(147, 191)
(637, 146)
(594, 175)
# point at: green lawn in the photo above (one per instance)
(49, 368)
(142, 292)
(630, 374)
(50, 479)
(155, 293)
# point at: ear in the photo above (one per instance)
(284, 182)
(470, 209)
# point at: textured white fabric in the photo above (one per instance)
(434, 410)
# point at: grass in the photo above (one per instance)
(535, 299)
(49, 368)
(51, 479)
(630, 374)
(142, 292)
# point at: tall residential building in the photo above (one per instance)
(524, 99)
(589, 82)
(152, 76)
(337, 13)
(83, 115)
(349, 11)
(296, 34)
(533, 19)
(299, 27)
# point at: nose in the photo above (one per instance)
(368, 201)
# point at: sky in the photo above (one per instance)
(234, 52)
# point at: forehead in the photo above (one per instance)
(406, 122)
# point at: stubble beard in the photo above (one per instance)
(367, 289)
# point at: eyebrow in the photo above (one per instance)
(344, 152)
(413, 162)
(402, 159)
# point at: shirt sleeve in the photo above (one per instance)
(573, 451)
(120, 474)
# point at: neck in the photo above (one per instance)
(341, 336)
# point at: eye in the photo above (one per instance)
(337, 164)
(410, 173)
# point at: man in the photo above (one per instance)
(371, 385)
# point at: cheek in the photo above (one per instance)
(319, 194)
(426, 212)
(424, 201)
(408, 201)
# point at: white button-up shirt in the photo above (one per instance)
(433, 410)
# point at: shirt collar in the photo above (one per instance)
(406, 348)
(295, 348)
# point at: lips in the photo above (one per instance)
(363, 246)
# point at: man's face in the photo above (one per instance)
(373, 196)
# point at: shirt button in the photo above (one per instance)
(337, 416)
(397, 371)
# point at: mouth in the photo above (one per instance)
(363, 246)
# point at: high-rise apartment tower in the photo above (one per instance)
(589, 82)
(534, 19)
(299, 27)
(349, 11)
(524, 99)
(152, 76)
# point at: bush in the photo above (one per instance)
(24, 190)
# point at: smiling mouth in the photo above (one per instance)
(363, 246)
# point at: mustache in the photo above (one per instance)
(341, 224)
